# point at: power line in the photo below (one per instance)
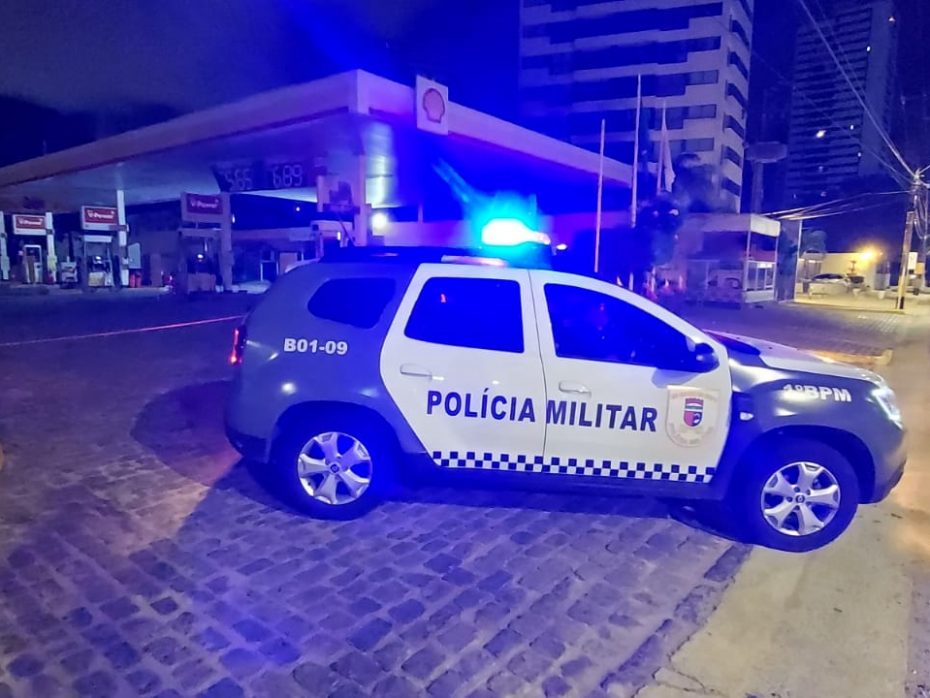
(834, 208)
(852, 87)
(834, 202)
(829, 214)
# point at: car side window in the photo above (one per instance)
(357, 302)
(469, 312)
(596, 327)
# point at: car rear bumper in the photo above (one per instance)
(249, 447)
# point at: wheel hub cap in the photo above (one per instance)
(800, 499)
(334, 468)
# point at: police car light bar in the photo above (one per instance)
(524, 255)
(509, 232)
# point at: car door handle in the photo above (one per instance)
(416, 371)
(576, 388)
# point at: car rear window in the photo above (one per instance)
(357, 302)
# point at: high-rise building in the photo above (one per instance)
(832, 140)
(581, 61)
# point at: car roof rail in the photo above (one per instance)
(528, 255)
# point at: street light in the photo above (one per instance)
(379, 221)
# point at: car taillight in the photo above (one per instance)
(235, 356)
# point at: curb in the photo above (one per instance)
(848, 308)
(864, 360)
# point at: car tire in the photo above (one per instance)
(357, 456)
(797, 496)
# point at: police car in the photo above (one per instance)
(376, 360)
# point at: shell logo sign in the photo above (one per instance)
(432, 106)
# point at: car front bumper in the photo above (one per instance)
(890, 460)
(883, 489)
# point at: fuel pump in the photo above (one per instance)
(198, 261)
(97, 260)
(33, 267)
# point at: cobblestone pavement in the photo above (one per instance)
(138, 557)
(807, 327)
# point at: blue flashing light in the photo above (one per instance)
(509, 232)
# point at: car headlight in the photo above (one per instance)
(886, 399)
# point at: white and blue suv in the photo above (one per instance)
(379, 360)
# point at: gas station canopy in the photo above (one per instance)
(278, 143)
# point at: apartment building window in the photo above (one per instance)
(702, 111)
(740, 65)
(731, 123)
(564, 31)
(738, 29)
(672, 85)
(732, 156)
(731, 186)
(664, 53)
(625, 119)
(703, 77)
(533, 31)
(555, 63)
(698, 145)
(737, 94)
(746, 8)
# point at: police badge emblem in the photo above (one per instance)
(691, 415)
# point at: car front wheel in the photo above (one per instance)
(800, 496)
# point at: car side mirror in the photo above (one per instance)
(693, 358)
(703, 358)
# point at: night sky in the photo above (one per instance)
(181, 55)
(184, 54)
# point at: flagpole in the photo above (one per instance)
(600, 199)
(634, 203)
(660, 165)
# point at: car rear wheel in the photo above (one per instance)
(799, 496)
(333, 468)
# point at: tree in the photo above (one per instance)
(697, 186)
(658, 223)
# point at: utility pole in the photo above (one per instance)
(922, 238)
(916, 185)
(905, 254)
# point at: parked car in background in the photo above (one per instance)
(830, 284)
